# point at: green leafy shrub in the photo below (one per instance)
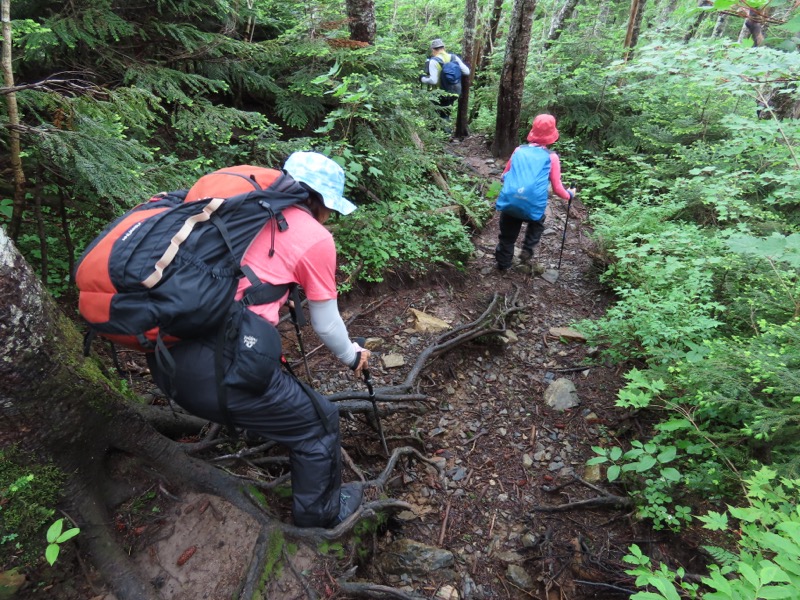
(768, 561)
(28, 494)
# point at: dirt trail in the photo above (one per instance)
(503, 446)
(505, 452)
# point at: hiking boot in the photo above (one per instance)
(502, 268)
(350, 496)
(538, 269)
(525, 256)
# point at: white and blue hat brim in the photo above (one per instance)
(323, 176)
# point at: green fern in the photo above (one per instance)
(721, 556)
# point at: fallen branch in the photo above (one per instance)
(614, 502)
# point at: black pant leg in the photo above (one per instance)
(509, 231)
(283, 413)
(533, 233)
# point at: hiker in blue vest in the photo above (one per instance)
(284, 409)
(444, 70)
(529, 173)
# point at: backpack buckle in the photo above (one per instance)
(281, 220)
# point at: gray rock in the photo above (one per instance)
(561, 395)
(414, 558)
(519, 577)
(550, 275)
(393, 360)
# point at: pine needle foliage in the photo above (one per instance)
(153, 96)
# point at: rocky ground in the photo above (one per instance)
(506, 507)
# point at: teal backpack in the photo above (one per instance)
(525, 185)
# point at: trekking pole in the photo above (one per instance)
(295, 320)
(564, 237)
(371, 390)
(303, 351)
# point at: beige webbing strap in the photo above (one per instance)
(179, 238)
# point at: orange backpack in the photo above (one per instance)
(169, 268)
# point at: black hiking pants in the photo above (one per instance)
(283, 413)
(509, 232)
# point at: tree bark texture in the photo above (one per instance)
(361, 14)
(470, 23)
(512, 79)
(719, 26)
(58, 406)
(694, 27)
(18, 206)
(486, 47)
(755, 27)
(556, 25)
(634, 26)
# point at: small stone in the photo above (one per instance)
(592, 473)
(447, 592)
(519, 577)
(425, 323)
(561, 395)
(550, 275)
(567, 333)
(391, 361)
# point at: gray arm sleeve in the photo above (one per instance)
(329, 326)
(433, 73)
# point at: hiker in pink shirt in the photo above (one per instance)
(278, 406)
(528, 175)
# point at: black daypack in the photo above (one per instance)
(450, 77)
(169, 269)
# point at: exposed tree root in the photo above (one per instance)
(74, 415)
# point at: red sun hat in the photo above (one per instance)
(543, 131)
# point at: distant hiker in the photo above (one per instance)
(298, 249)
(529, 172)
(444, 70)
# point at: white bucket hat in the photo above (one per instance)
(323, 176)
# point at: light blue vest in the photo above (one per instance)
(525, 185)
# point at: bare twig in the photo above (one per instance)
(444, 521)
(615, 502)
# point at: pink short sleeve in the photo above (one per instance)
(316, 271)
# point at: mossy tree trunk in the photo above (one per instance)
(512, 79)
(58, 406)
(361, 14)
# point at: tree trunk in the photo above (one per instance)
(694, 27)
(603, 16)
(558, 21)
(59, 407)
(470, 20)
(719, 26)
(361, 14)
(634, 27)
(13, 123)
(512, 79)
(668, 9)
(487, 45)
(755, 27)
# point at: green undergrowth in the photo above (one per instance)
(28, 494)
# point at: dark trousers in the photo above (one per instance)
(283, 413)
(444, 103)
(509, 232)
